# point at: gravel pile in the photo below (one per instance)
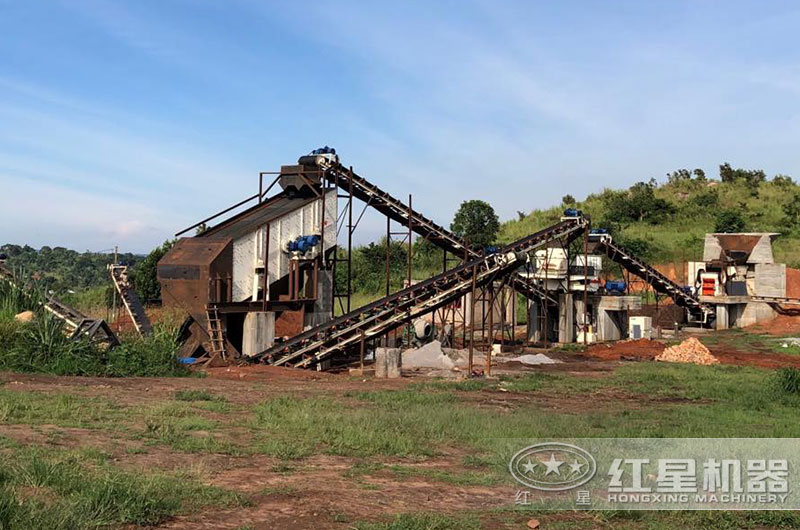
(689, 351)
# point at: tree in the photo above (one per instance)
(476, 222)
(729, 221)
(144, 275)
(679, 175)
(791, 211)
(752, 177)
(639, 203)
(784, 181)
(568, 200)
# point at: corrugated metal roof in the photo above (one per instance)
(249, 220)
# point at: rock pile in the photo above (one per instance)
(689, 351)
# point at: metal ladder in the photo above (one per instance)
(216, 333)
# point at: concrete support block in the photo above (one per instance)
(566, 318)
(388, 362)
(258, 333)
(535, 331)
(322, 306)
(722, 317)
(753, 313)
(611, 325)
(394, 360)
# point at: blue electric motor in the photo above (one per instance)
(324, 151)
(598, 231)
(615, 286)
(303, 244)
(572, 212)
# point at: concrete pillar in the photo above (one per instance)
(535, 331)
(258, 333)
(394, 361)
(321, 312)
(722, 316)
(566, 318)
(387, 362)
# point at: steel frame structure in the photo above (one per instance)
(383, 316)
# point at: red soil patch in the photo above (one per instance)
(642, 350)
(787, 324)
(647, 350)
(760, 360)
(792, 283)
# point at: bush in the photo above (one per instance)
(42, 346)
(151, 356)
(729, 221)
(788, 380)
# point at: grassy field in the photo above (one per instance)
(274, 449)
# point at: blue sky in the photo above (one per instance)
(122, 122)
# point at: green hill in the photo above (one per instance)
(665, 222)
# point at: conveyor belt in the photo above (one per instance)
(658, 281)
(780, 300)
(130, 300)
(382, 316)
(396, 210)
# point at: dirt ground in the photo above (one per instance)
(321, 491)
(647, 350)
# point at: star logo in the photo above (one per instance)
(539, 466)
(576, 467)
(528, 466)
(552, 465)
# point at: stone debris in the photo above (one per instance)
(531, 359)
(25, 316)
(689, 351)
(428, 356)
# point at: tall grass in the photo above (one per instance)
(788, 380)
(41, 491)
(44, 346)
(14, 300)
(150, 356)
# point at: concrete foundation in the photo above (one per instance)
(611, 316)
(258, 333)
(738, 311)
